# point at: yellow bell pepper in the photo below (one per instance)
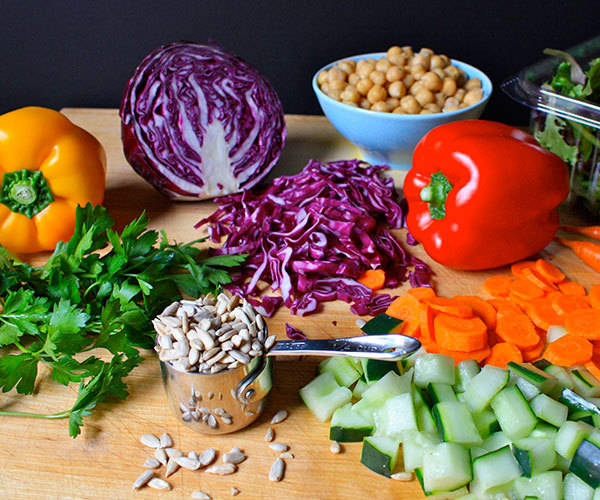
(48, 166)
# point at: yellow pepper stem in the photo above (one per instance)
(25, 192)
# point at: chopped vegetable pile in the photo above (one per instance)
(311, 236)
(82, 300)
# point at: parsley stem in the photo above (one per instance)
(62, 414)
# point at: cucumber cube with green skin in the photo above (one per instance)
(576, 489)
(391, 384)
(465, 371)
(484, 386)
(486, 422)
(375, 369)
(561, 375)
(549, 410)
(380, 454)
(495, 441)
(543, 430)
(544, 381)
(441, 392)
(585, 383)
(575, 402)
(569, 437)
(528, 390)
(396, 418)
(434, 368)
(446, 467)
(535, 455)
(545, 486)
(586, 463)
(323, 396)
(494, 469)
(344, 372)
(381, 324)
(348, 426)
(513, 412)
(455, 423)
(440, 495)
(415, 446)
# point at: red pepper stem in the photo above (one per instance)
(435, 194)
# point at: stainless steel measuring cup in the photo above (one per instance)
(230, 400)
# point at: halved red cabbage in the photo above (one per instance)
(311, 235)
(198, 122)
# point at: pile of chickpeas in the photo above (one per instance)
(402, 82)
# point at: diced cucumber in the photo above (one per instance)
(484, 386)
(360, 387)
(374, 369)
(415, 446)
(396, 418)
(348, 426)
(476, 451)
(440, 495)
(486, 422)
(495, 441)
(562, 464)
(586, 463)
(576, 402)
(528, 390)
(576, 489)
(585, 383)
(380, 454)
(390, 385)
(382, 324)
(456, 423)
(541, 379)
(434, 368)
(441, 392)
(323, 396)
(544, 430)
(562, 375)
(594, 437)
(549, 410)
(342, 369)
(492, 470)
(513, 412)
(569, 437)
(446, 467)
(425, 421)
(464, 372)
(535, 455)
(355, 362)
(545, 486)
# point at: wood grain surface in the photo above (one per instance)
(39, 460)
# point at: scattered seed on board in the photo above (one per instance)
(279, 447)
(279, 417)
(193, 455)
(143, 479)
(173, 452)
(269, 435)
(360, 322)
(161, 456)
(151, 463)
(234, 456)
(402, 476)
(166, 441)
(287, 454)
(335, 447)
(150, 440)
(172, 466)
(159, 484)
(234, 491)
(188, 463)
(207, 457)
(200, 495)
(277, 470)
(222, 469)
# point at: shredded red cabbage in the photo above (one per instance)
(312, 235)
(293, 333)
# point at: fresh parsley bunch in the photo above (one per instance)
(99, 290)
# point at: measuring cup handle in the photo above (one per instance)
(244, 394)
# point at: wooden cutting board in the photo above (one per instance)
(39, 460)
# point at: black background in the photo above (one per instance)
(81, 53)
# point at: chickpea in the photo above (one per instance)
(364, 104)
(432, 81)
(377, 93)
(336, 73)
(364, 85)
(334, 94)
(394, 51)
(433, 107)
(460, 94)
(345, 67)
(325, 88)
(425, 55)
(439, 72)
(418, 71)
(473, 96)
(381, 106)
(383, 65)
(410, 105)
(440, 99)
(350, 94)
(408, 51)
(364, 70)
(397, 89)
(415, 87)
(420, 60)
(473, 83)
(392, 102)
(350, 103)
(337, 85)
(445, 60)
(449, 86)
(408, 80)
(377, 77)
(353, 79)
(424, 96)
(452, 71)
(398, 59)
(399, 110)
(451, 104)
(323, 77)
(394, 74)
(436, 62)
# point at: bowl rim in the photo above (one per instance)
(485, 82)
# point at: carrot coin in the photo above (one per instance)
(535, 352)
(525, 289)
(571, 288)
(584, 322)
(516, 328)
(497, 286)
(543, 315)
(549, 271)
(569, 350)
(502, 353)
(480, 308)
(422, 292)
(565, 304)
(373, 278)
(451, 306)
(459, 334)
(518, 267)
(407, 309)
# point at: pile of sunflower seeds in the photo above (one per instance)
(208, 335)
(194, 409)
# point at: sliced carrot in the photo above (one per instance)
(502, 353)
(426, 317)
(518, 267)
(543, 315)
(549, 271)
(407, 309)
(538, 280)
(497, 286)
(565, 304)
(569, 350)
(460, 334)
(522, 303)
(422, 292)
(502, 303)
(594, 296)
(584, 322)
(535, 352)
(525, 289)
(451, 306)
(516, 328)
(571, 288)
(593, 366)
(480, 308)
(459, 356)
(373, 278)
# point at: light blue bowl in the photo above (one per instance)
(388, 138)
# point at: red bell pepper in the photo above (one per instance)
(483, 194)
